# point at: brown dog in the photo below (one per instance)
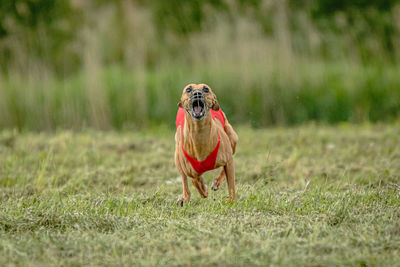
(204, 141)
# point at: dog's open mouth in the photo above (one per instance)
(198, 107)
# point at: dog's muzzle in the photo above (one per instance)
(198, 110)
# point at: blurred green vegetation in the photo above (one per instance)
(119, 64)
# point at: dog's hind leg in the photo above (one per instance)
(218, 181)
(198, 182)
(233, 137)
(230, 178)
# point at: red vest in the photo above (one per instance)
(209, 163)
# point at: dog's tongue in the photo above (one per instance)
(197, 110)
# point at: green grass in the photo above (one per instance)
(309, 195)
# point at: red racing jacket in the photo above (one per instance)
(209, 163)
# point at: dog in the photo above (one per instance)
(204, 141)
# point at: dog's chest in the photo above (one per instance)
(194, 166)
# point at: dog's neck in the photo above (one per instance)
(200, 136)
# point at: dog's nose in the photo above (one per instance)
(197, 94)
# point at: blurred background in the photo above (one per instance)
(123, 64)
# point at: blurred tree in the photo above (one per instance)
(42, 28)
(182, 17)
(46, 31)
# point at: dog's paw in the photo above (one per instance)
(180, 201)
(214, 186)
(230, 199)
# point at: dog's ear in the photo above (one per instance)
(180, 104)
(215, 105)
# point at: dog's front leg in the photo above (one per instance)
(230, 178)
(218, 181)
(186, 192)
(198, 182)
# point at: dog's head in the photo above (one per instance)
(198, 99)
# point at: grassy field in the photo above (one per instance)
(309, 195)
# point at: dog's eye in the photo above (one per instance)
(188, 90)
(206, 90)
